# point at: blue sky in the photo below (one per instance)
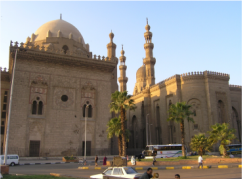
(188, 36)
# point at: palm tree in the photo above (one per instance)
(221, 133)
(178, 113)
(114, 128)
(120, 103)
(200, 143)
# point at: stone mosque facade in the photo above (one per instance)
(59, 83)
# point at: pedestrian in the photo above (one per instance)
(105, 160)
(147, 174)
(127, 158)
(96, 160)
(132, 160)
(177, 176)
(200, 161)
(154, 160)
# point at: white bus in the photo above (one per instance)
(163, 151)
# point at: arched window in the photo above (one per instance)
(40, 108)
(236, 122)
(65, 48)
(34, 107)
(90, 111)
(84, 110)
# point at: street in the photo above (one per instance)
(71, 169)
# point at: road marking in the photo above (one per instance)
(223, 166)
(98, 168)
(85, 168)
(204, 167)
(169, 168)
(138, 168)
(186, 167)
(154, 168)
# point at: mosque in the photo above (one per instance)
(58, 83)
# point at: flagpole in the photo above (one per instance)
(9, 110)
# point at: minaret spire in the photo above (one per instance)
(111, 56)
(149, 60)
(122, 68)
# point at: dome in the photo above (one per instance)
(141, 72)
(58, 25)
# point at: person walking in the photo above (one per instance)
(96, 160)
(200, 161)
(154, 160)
(132, 160)
(105, 160)
(147, 174)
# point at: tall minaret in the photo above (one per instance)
(112, 55)
(122, 67)
(149, 60)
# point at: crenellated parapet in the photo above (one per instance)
(50, 50)
(235, 87)
(5, 74)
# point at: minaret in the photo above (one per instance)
(112, 55)
(149, 60)
(122, 67)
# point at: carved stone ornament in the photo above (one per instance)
(58, 97)
(39, 80)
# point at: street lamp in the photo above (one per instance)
(150, 132)
(147, 124)
(86, 111)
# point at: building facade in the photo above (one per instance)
(56, 78)
(59, 83)
(213, 101)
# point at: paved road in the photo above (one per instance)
(71, 169)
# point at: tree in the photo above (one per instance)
(178, 113)
(114, 129)
(200, 143)
(120, 103)
(221, 133)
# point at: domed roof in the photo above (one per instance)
(54, 26)
(141, 72)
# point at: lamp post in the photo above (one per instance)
(147, 125)
(150, 132)
(85, 149)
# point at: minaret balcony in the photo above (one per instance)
(148, 60)
(122, 79)
(148, 46)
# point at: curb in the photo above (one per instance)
(169, 168)
(48, 163)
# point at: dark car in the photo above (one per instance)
(140, 156)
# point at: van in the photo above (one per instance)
(12, 159)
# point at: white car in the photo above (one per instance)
(124, 172)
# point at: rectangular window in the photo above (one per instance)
(5, 99)
(6, 93)
(3, 114)
(195, 126)
(4, 107)
(2, 130)
(2, 123)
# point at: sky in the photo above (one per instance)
(188, 36)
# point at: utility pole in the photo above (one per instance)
(9, 110)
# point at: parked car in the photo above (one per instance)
(140, 156)
(123, 172)
(12, 159)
